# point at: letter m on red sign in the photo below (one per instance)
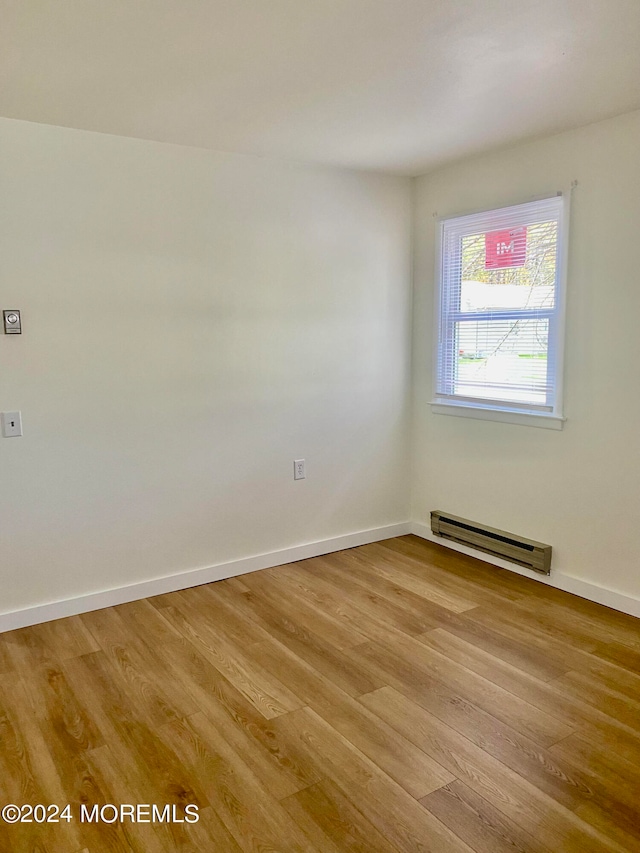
(505, 248)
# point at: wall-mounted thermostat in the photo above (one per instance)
(12, 323)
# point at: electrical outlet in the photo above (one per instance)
(298, 469)
(11, 424)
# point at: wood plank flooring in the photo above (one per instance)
(393, 698)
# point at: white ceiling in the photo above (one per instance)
(395, 85)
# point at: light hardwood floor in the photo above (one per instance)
(394, 697)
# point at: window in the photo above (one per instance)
(500, 314)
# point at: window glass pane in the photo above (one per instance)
(509, 269)
(502, 360)
(499, 335)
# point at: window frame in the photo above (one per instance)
(551, 415)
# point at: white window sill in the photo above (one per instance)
(507, 416)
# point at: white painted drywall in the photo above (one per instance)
(578, 489)
(382, 84)
(193, 322)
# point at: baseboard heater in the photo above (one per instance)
(515, 549)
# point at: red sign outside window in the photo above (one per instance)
(505, 248)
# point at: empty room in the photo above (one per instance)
(319, 528)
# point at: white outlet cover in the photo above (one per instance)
(11, 424)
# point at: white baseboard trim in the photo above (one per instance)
(592, 592)
(121, 595)
(110, 597)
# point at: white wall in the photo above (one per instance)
(578, 489)
(193, 322)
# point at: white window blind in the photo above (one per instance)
(500, 309)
